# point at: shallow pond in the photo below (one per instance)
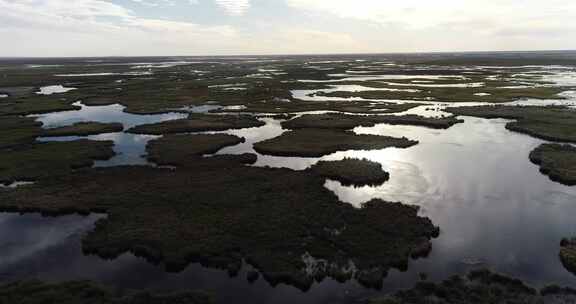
(130, 148)
(104, 114)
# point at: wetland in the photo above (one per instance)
(289, 179)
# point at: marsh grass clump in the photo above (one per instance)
(557, 161)
(38, 104)
(352, 171)
(149, 95)
(16, 130)
(199, 123)
(277, 116)
(48, 159)
(219, 212)
(319, 142)
(18, 91)
(172, 90)
(179, 149)
(453, 94)
(87, 292)
(568, 254)
(548, 123)
(496, 94)
(346, 122)
(479, 286)
(83, 129)
(296, 105)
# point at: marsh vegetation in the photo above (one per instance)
(322, 174)
(319, 142)
(349, 171)
(556, 161)
(479, 286)
(83, 129)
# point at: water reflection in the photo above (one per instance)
(36, 235)
(105, 114)
(130, 149)
(252, 135)
(49, 248)
(475, 181)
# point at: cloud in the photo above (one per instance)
(234, 7)
(154, 3)
(95, 27)
(178, 28)
(90, 16)
(105, 27)
(494, 15)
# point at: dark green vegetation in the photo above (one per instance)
(319, 142)
(444, 94)
(177, 149)
(217, 211)
(86, 292)
(199, 123)
(146, 89)
(548, 123)
(351, 171)
(557, 161)
(361, 107)
(568, 254)
(479, 286)
(49, 159)
(510, 60)
(36, 104)
(17, 91)
(345, 122)
(15, 130)
(84, 129)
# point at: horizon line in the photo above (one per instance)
(294, 54)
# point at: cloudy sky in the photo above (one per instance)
(230, 27)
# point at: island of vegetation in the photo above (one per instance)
(83, 129)
(352, 171)
(319, 142)
(219, 212)
(568, 254)
(346, 122)
(199, 123)
(557, 161)
(180, 148)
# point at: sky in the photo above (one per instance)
(53, 28)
